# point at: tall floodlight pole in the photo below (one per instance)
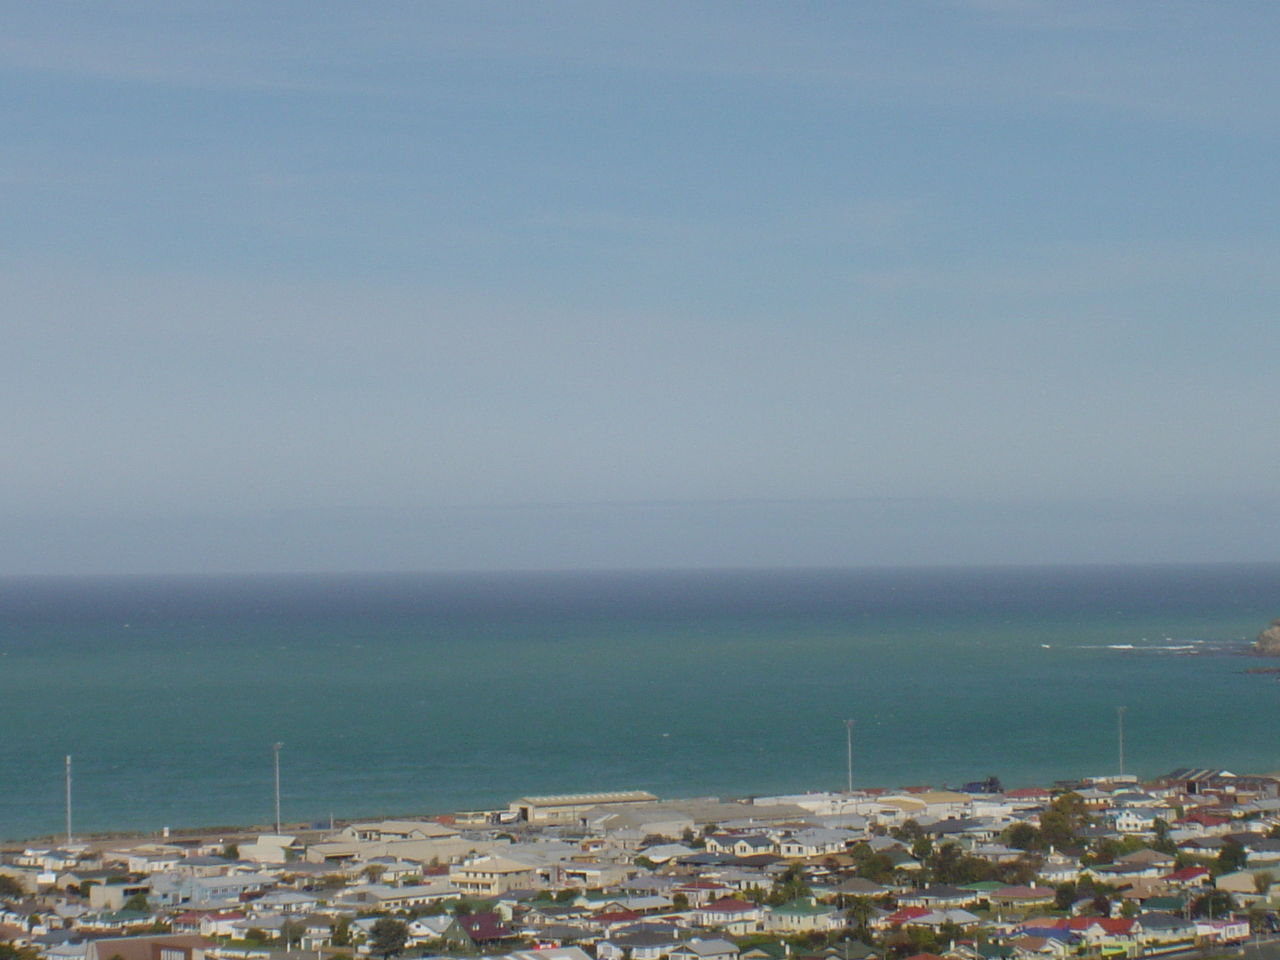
(276, 750)
(848, 749)
(68, 786)
(1120, 735)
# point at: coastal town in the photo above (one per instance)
(1105, 867)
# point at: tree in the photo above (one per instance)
(1262, 882)
(1064, 896)
(680, 901)
(10, 888)
(859, 915)
(1060, 824)
(138, 903)
(789, 886)
(922, 847)
(292, 931)
(1022, 836)
(341, 932)
(388, 937)
(1215, 903)
(1163, 842)
(231, 851)
(1232, 856)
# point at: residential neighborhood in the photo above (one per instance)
(1106, 867)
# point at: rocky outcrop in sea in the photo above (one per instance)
(1268, 642)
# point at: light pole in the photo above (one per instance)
(848, 749)
(68, 786)
(276, 751)
(1120, 735)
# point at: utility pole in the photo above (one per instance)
(1120, 734)
(68, 785)
(276, 750)
(848, 749)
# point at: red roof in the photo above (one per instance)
(907, 913)
(1188, 873)
(1027, 793)
(617, 916)
(1205, 819)
(484, 926)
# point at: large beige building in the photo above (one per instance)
(569, 807)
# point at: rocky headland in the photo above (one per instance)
(1268, 642)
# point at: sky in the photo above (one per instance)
(506, 285)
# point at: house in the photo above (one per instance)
(1131, 820)
(939, 896)
(551, 953)
(639, 944)
(492, 875)
(737, 917)
(814, 843)
(113, 896)
(164, 947)
(1167, 931)
(696, 949)
(485, 929)
(1021, 896)
(936, 919)
(801, 916)
(1188, 877)
(1231, 930)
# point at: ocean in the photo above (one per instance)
(414, 694)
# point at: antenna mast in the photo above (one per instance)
(68, 785)
(1120, 735)
(848, 748)
(276, 750)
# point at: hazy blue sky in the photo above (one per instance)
(375, 285)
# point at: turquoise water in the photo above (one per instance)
(406, 694)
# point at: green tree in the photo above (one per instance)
(1231, 857)
(1262, 881)
(138, 903)
(922, 847)
(859, 916)
(1022, 836)
(1064, 896)
(1163, 843)
(10, 888)
(292, 931)
(1060, 824)
(341, 932)
(231, 851)
(388, 937)
(680, 901)
(1215, 903)
(789, 886)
